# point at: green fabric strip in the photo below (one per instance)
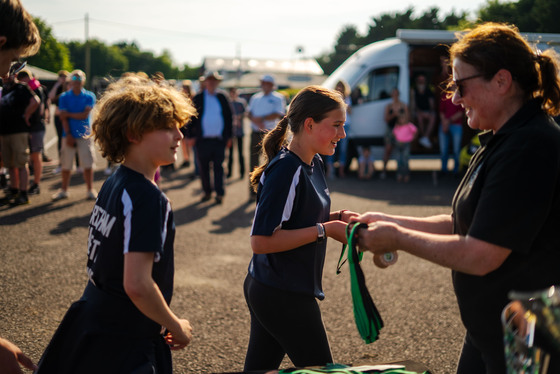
(366, 315)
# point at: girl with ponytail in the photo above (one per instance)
(292, 221)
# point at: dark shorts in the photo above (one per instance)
(36, 141)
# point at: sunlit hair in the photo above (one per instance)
(311, 102)
(132, 107)
(493, 46)
(17, 25)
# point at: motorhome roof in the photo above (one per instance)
(416, 36)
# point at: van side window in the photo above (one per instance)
(378, 83)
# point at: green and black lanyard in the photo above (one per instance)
(368, 319)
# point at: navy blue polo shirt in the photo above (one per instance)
(291, 195)
(131, 214)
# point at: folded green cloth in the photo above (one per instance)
(368, 319)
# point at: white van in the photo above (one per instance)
(379, 67)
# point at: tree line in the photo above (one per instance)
(527, 15)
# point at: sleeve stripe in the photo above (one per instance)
(286, 214)
(157, 256)
(288, 205)
(127, 212)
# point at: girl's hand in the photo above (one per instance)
(336, 230)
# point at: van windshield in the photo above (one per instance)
(378, 83)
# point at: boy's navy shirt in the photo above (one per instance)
(131, 214)
(291, 195)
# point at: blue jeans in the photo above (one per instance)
(453, 136)
(403, 156)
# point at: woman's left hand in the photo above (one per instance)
(346, 215)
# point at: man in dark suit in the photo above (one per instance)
(211, 131)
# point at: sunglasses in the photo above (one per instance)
(76, 78)
(457, 85)
(16, 67)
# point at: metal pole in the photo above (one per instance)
(239, 67)
(88, 53)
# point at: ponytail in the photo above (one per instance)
(550, 81)
(271, 145)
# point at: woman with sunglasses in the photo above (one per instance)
(502, 234)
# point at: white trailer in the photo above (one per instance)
(381, 66)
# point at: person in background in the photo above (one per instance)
(366, 159)
(59, 87)
(356, 96)
(502, 233)
(74, 107)
(123, 323)
(187, 90)
(159, 78)
(392, 112)
(239, 106)
(342, 147)
(423, 105)
(211, 131)
(266, 108)
(450, 132)
(404, 133)
(36, 129)
(19, 37)
(17, 105)
(291, 224)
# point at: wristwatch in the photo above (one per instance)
(321, 232)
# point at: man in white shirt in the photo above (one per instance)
(266, 108)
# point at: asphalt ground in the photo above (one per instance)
(43, 249)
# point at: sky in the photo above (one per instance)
(194, 29)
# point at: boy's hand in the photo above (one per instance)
(180, 339)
